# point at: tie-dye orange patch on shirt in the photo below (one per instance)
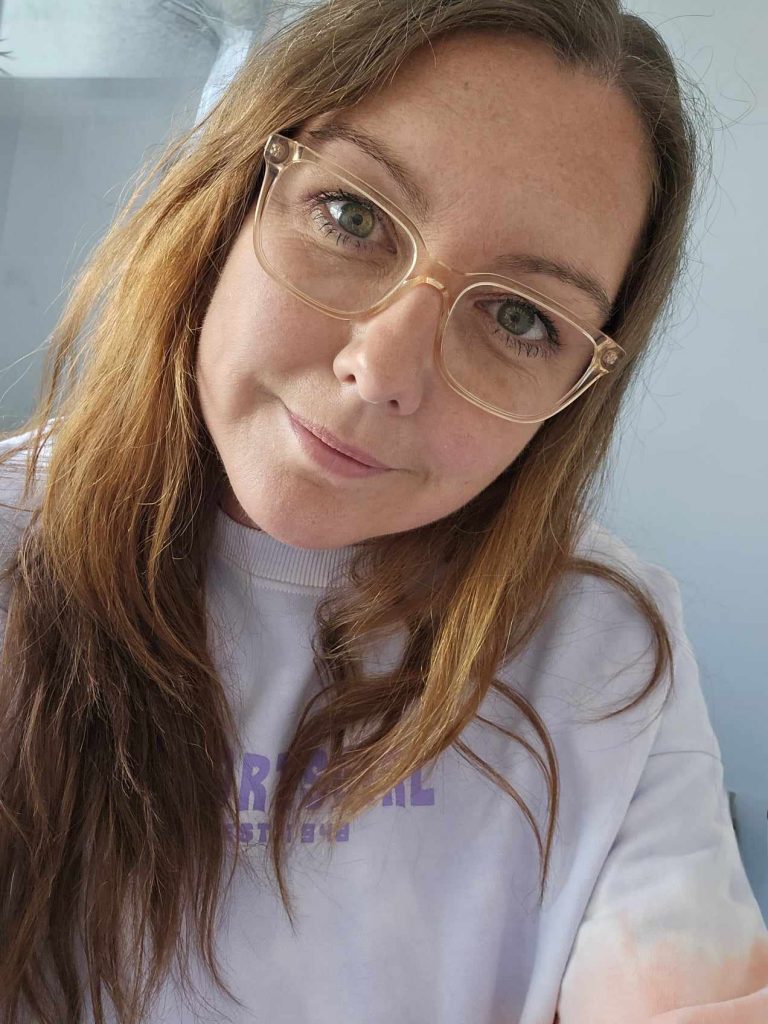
(672, 933)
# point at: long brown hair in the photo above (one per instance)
(106, 671)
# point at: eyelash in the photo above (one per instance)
(553, 335)
(553, 341)
(352, 198)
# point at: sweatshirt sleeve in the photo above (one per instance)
(672, 932)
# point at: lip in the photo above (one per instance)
(332, 441)
(328, 459)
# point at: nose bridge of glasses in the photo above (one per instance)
(407, 286)
(428, 269)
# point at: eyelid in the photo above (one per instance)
(371, 147)
(381, 214)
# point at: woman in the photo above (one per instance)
(308, 573)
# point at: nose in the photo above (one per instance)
(389, 354)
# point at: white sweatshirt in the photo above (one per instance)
(424, 910)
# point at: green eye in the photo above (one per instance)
(353, 217)
(521, 320)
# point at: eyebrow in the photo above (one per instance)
(511, 262)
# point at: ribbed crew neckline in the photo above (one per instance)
(264, 557)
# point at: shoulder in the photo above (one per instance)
(13, 466)
(592, 617)
(601, 545)
(685, 723)
(667, 885)
(15, 509)
(599, 604)
(595, 652)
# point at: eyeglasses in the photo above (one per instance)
(344, 248)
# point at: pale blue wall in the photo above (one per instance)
(690, 489)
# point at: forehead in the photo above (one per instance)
(513, 152)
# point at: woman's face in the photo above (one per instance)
(516, 155)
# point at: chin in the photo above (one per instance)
(288, 531)
(300, 533)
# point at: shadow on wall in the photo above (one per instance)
(84, 102)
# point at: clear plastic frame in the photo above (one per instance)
(282, 152)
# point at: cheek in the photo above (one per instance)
(474, 454)
(255, 328)
(290, 336)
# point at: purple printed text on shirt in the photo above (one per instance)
(256, 769)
